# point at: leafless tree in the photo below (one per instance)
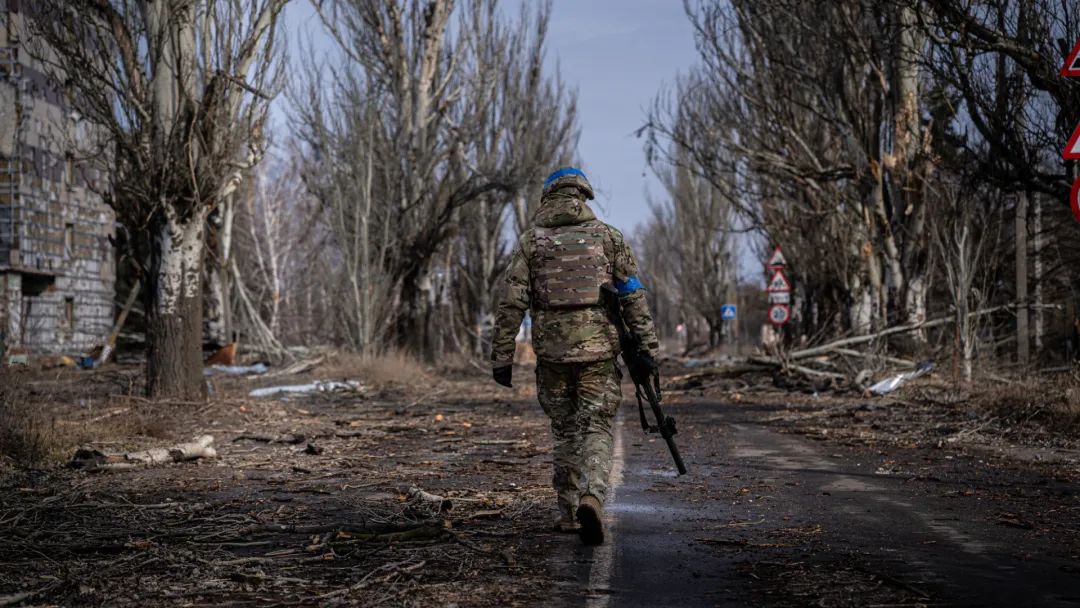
(695, 224)
(967, 233)
(843, 116)
(178, 90)
(417, 145)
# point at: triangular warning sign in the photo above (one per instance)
(1074, 199)
(778, 282)
(777, 260)
(1071, 69)
(1072, 149)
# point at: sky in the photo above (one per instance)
(617, 54)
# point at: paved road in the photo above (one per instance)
(772, 519)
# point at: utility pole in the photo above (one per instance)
(1037, 273)
(1022, 346)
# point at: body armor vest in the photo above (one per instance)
(569, 265)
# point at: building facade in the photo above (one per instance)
(57, 259)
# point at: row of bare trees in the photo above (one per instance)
(415, 152)
(885, 144)
(418, 149)
(382, 220)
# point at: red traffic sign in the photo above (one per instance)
(779, 314)
(777, 260)
(1071, 69)
(1072, 149)
(1074, 199)
(778, 282)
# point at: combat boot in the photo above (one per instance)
(591, 517)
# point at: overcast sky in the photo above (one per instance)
(617, 54)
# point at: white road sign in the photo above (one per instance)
(780, 297)
(777, 260)
(778, 282)
(1071, 69)
(779, 314)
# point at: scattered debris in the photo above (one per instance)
(324, 386)
(96, 460)
(287, 438)
(299, 367)
(889, 385)
(255, 369)
(437, 504)
(224, 356)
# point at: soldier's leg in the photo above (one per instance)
(555, 391)
(598, 397)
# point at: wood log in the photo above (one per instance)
(439, 504)
(96, 460)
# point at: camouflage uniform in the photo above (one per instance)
(556, 271)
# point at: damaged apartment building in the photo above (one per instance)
(57, 261)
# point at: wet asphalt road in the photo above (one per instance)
(772, 519)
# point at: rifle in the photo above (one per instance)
(646, 379)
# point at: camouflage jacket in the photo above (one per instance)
(568, 335)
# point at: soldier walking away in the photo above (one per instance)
(557, 273)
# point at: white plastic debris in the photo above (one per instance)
(302, 389)
(889, 385)
(236, 370)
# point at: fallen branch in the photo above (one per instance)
(288, 438)
(434, 502)
(96, 460)
(831, 347)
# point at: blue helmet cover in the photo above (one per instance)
(563, 173)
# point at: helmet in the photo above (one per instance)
(569, 176)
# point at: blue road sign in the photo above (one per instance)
(728, 312)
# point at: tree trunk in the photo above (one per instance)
(174, 305)
(413, 321)
(219, 324)
(1022, 334)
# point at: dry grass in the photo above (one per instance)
(1052, 401)
(45, 417)
(28, 435)
(389, 369)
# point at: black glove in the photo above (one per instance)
(503, 374)
(644, 364)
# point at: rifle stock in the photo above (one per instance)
(646, 381)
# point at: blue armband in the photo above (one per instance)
(628, 286)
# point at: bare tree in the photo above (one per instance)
(415, 147)
(967, 230)
(179, 91)
(695, 224)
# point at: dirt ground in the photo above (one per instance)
(305, 504)
(308, 499)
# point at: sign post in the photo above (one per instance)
(1071, 69)
(779, 290)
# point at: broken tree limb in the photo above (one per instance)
(120, 320)
(438, 504)
(96, 460)
(831, 347)
(887, 359)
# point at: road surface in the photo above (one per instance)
(772, 519)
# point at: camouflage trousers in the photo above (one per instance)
(581, 399)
